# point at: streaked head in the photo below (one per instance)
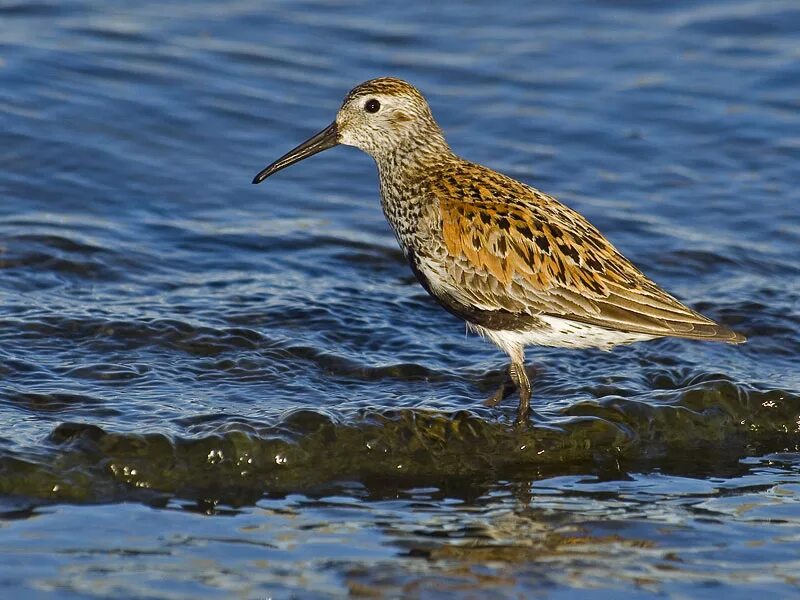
(379, 116)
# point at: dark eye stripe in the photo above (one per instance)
(372, 106)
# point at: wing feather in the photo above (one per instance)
(524, 252)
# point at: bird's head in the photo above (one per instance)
(378, 116)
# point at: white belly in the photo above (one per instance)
(561, 333)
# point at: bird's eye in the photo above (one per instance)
(372, 106)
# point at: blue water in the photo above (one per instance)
(209, 388)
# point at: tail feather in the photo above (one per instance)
(713, 332)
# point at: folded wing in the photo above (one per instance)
(514, 249)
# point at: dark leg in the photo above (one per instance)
(507, 387)
(520, 378)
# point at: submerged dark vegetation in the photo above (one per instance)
(710, 425)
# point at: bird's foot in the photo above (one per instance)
(518, 380)
(523, 417)
(519, 377)
(504, 391)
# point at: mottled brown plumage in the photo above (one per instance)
(520, 267)
(548, 259)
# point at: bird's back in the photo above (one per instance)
(505, 256)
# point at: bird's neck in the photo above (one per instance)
(405, 175)
(413, 159)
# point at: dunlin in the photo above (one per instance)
(517, 265)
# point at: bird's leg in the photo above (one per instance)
(520, 378)
(507, 387)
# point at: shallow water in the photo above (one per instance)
(211, 388)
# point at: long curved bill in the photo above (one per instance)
(327, 138)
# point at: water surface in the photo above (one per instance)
(211, 388)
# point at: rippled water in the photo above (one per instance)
(210, 388)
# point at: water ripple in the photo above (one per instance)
(171, 334)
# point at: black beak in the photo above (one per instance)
(327, 138)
